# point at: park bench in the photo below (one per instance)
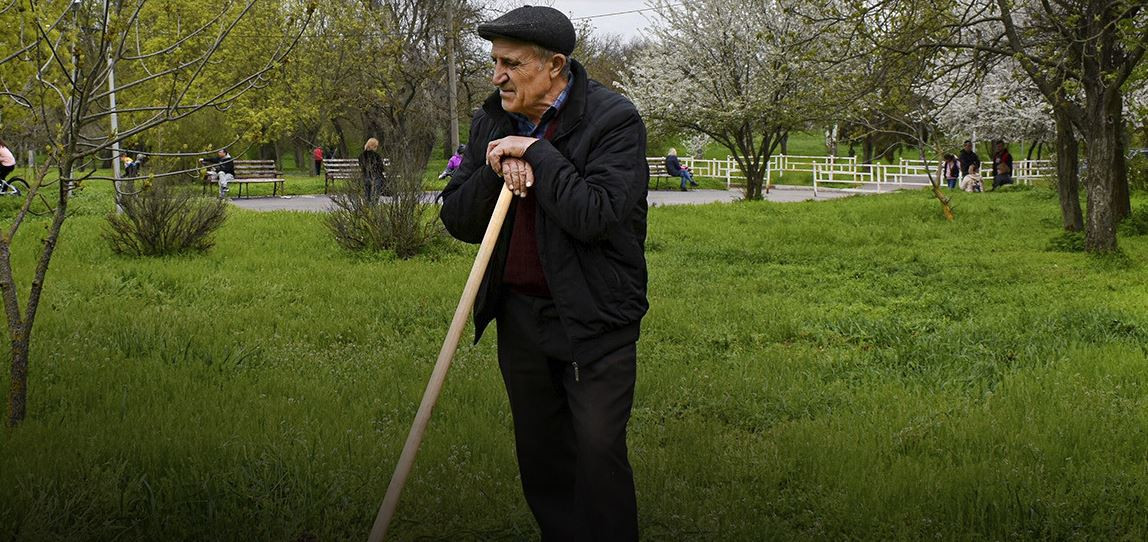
(342, 169)
(657, 165)
(253, 172)
(339, 169)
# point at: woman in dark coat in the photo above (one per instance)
(374, 173)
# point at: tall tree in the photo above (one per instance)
(71, 48)
(1078, 53)
(752, 78)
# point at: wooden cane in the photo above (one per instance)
(445, 356)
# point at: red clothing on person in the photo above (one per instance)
(523, 264)
(318, 153)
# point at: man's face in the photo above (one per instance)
(968, 146)
(523, 79)
(222, 154)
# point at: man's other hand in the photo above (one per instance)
(518, 175)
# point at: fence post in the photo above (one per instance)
(816, 171)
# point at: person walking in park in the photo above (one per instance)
(567, 281)
(224, 167)
(7, 161)
(972, 181)
(373, 170)
(317, 154)
(453, 163)
(1002, 164)
(952, 170)
(131, 167)
(674, 168)
(968, 157)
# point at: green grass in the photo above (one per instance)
(853, 369)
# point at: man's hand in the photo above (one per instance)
(518, 175)
(507, 147)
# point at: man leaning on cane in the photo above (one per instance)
(567, 282)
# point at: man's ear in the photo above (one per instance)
(557, 63)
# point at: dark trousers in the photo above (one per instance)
(318, 164)
(569, 425)
(5, 170)
(1001, 180)
(373, 188)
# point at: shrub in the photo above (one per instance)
(1069, 241)
(402, 221)
(1138, 173)
(164, 218)
(1136, 223)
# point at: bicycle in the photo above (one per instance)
(13, 187)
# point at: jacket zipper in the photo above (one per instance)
(577, 375)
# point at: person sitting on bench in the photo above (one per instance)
(224, 170)
(675, 169)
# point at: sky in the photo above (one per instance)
(627, 25)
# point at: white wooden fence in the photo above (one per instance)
(838, 171)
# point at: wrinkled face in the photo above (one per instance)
(524, 81)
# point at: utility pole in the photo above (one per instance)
(112, 104)
(115, 122)
(451, 76)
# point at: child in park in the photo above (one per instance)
(972, 182)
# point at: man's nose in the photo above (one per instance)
(499, 76)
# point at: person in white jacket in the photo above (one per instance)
(972, 182)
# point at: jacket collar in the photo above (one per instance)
(572, 112)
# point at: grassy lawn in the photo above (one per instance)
(852, 369)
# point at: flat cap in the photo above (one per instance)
(539, 25)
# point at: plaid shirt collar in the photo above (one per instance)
(526, 128)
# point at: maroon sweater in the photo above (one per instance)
(523, 272)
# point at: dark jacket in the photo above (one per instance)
(590, 187)
(225, 164)
(968, 158)
(952, 169)
(371, 165)
(673, 166)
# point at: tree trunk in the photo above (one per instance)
(18, 387)
(300, 163)
(1121, 196)
(341, 147)
(785, 143)
(753, 183)
(1103, 146)
(1067, 181)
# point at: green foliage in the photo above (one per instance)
(401, 222)
(1138, 173)
(854, 369)
(1136, 223)
(1069, 241)
(164, 219)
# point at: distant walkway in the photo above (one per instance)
(779, 193)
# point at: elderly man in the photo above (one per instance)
(567, 283)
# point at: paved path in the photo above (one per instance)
(320, 202)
